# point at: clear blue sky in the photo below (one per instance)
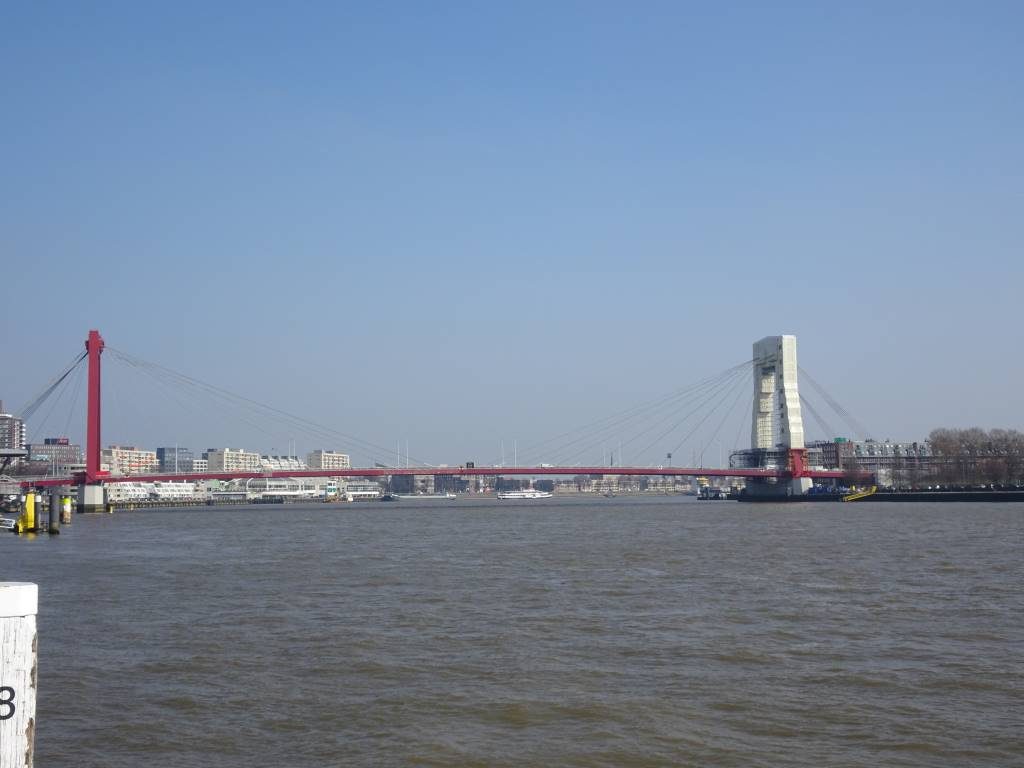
(461, 223)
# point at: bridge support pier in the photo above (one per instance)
(800, 484)
(90, 498)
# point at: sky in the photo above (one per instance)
(458, 225)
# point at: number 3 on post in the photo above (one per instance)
(7, 707)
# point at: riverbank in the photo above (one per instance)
(894, 496)
(941, 496)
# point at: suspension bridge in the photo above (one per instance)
(776, 429)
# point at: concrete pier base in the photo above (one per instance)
(798, 486)
(768, 491)
(91, 498)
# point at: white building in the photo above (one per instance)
(172, 491)
(127, 492)
(12, 431)
(328, 460)
(232, 460)
(200, 465)
(129, 460)
(282, 463)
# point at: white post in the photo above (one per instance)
(18, 653)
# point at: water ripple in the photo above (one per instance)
(650, 632)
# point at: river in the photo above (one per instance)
(580, 632)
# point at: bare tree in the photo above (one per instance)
(974, 456)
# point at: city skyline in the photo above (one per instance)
(459, 227)
(774, 365)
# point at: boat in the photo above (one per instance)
(713, 493)
(7, 523)
(529, 493)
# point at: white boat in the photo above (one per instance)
(7, 523)
(529, 493)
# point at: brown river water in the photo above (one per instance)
(578, 632)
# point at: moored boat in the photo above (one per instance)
(529, 493)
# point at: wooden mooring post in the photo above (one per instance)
(18, 654)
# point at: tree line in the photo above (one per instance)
(976, 457)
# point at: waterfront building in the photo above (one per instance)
(605, 484)
(413, 484)
(200, 465)
(158, 491)
(282, 463)
(567, 485)
(835, 454)
(58, 454)
(129, 460)
(328, 460)
(893, 463)
(174, 459)
(450, 484)
(874, 455)
(890, 462)
(122, 493)
(173, 491)
(232, 460)
(12, 431)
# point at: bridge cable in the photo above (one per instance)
(725, 416)
(702, 404)
(678, 400)
(54, 401)
(701, 392)
(708, 414)
(744, 422)
(298, 422)
(845, 415)
(74, 400)
(734, 374)
(829, 432)
(155, 372)
(199, 404)
(606, 423)
(727, 381)
(26, 412)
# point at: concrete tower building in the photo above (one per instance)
(777, 423)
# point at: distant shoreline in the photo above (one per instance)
(899, 496)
